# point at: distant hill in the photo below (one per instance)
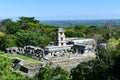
(73, 23)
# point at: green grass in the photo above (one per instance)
(27, 62)
(22, 57)
(2, 34)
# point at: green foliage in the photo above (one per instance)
(12, 27)
(60, 74)
(81, 28)
(6, 72)
(29, 31)
(2, 34)
(28, 38)
(7, 41)
(47, 73)
(26, 31)
(104, 67)
(91, 70)
(112, 43)
(114, 70)
(3, 24)
(83, 71)
(23, 21)
(72, 33)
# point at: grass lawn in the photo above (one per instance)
(27, 61)
(25, 58)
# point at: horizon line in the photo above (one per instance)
(38, 18)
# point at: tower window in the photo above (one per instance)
(61, 38)
(61, 33)
(62, 44)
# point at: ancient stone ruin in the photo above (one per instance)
(61, 52)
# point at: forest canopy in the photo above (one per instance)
(30, 31)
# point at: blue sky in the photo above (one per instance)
(61, 9)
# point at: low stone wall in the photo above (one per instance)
(30, 51)
(29, 72)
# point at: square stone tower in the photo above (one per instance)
(59, 39)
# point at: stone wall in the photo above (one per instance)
(30, 51)
(29, 72)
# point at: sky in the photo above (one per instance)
(61, 9)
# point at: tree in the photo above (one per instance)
(83, 71)
(7, 41)
(72, 33)
(81, 28)
(47, 73)
(114, 70)
(25, 37)
(111, 27)
(60, 74)
(28, 38)
(23, 21)
(92, 30)
(9, 26)
(12, 27)
(3, 24)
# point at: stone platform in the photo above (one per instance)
(71, 62)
